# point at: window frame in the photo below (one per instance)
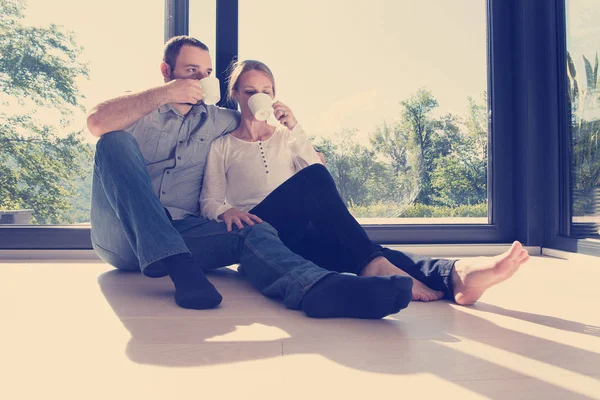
(517, 174)
(558, 164)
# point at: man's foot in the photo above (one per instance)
(349, 296)
(192, 289)
(471, 278)
(380, 266)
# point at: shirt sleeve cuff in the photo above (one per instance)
(298, 130)
(221, 210)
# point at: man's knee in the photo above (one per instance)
(114, 140)
(263, 229)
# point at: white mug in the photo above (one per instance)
(212, 90)
(261, 106)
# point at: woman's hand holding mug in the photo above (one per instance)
(284, 115)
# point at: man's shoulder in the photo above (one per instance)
(224, 114)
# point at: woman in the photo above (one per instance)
(272, 173)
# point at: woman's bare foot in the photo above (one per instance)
(472, 277)
(380, 266)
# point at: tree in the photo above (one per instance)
(363, 180)
(413, 144)
(421, 128)
(460, 177)
(585, 136)
(392, 141)
(38, 163)
(350, 165)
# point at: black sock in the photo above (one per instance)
(338, 296)
(192, 289)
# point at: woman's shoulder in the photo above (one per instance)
(221, 143)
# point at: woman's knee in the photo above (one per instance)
(318, 169)
(318, 173)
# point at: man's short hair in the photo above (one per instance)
(174, 45)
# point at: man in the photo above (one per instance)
(147, 179)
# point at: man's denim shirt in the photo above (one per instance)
(175, 148)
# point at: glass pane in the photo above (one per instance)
(583, 43)
(203, 23)
(394, 93)
(60, 58)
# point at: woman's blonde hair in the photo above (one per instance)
(239, 67)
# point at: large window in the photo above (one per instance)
(394, 93)
(203, 17)
(58, 59)
(583, 45)
(398, 95)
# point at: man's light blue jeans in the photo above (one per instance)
(132, 232)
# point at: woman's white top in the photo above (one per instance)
(241, 174)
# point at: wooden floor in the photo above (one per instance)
(80, 330)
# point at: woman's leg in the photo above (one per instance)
(431, 276)
(313, 221)
(311, 197)
(310, 200)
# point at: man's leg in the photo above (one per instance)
(314, 241)
(320, 293)
(108, 237)
(279, 273)
(313, 220)
(129, 223)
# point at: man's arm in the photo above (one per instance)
(121, 112)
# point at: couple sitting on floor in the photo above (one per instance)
(181, 186)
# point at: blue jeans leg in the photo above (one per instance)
(275, 269)
(129, 226)
(270, 266)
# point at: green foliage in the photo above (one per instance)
(418, 164)
(38, 162)
(383, 210)
(353, 168)
(426, 148)
(585, 135)
(418, 160)
(461, 176)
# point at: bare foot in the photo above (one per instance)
(380, 266)
(471, 278)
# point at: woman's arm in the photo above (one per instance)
(213, 202)
(303, 150)
(214, 186)
(300, 145)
